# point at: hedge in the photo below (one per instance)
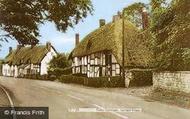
(39, 77)
(1, 67)
(93, 82)
(141, 78)
(57, 72)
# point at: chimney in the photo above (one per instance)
(19, 46)
(102, 22)
(10, 49)
(33, 45)
(48, 46)
(119, 14)
(117, 17)
(145, 22)
(77, 39)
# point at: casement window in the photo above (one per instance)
(115, 69)
(103, 59)
(108, 58)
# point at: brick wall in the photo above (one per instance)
(176, 81)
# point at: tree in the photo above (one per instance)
(172, 37)
(60, 61)
(154, 9)
(134, 13)
(59, 65)
(158, 7)
(19, 19)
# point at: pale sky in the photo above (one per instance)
(64, 42)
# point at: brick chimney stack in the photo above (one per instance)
(48, 46)
(10, 49)
(19, 46)
(145, 22)
(102, 22)
(117, 17)
(77, 38)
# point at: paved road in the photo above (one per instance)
(4, 101)
(62, 97)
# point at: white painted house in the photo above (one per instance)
(28, 60)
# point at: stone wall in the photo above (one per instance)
(176, 81)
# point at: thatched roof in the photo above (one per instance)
(109, 38)
(26, 55)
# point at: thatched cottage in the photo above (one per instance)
(100, 52)
(28, 60)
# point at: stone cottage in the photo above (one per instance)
(28, 60)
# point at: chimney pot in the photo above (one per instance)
(116, 17)
(77, 38)
(102, 22)
(145, 21)
(119, 14)
(48, 46)
(19, 46)
(10, 49)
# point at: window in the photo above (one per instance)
(108, 59)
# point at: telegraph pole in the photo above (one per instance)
(123, 45)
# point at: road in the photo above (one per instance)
(60, 98)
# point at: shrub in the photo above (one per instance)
(57, 72)
(93, 82)
(141, 78)
(1, 69)
(39, 77)
(71, 79)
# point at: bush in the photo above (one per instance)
(93, 82)
(141, 78)
(71, 79)
(60, 65)
(1, 67)
(57, 72)
(39, 77)
(80, 75)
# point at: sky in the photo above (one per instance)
(65, 42)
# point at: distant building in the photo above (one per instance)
(100, 52)
(1, 64)
(28, 60)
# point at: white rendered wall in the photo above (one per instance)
(46, 60)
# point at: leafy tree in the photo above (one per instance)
(134, 13)
(154, 9)
(60, 61)
(19, 19)
(60, 65)
(158, 7)
(172, 37)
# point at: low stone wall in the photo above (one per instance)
(176, 81)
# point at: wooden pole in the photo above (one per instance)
(123, 45)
